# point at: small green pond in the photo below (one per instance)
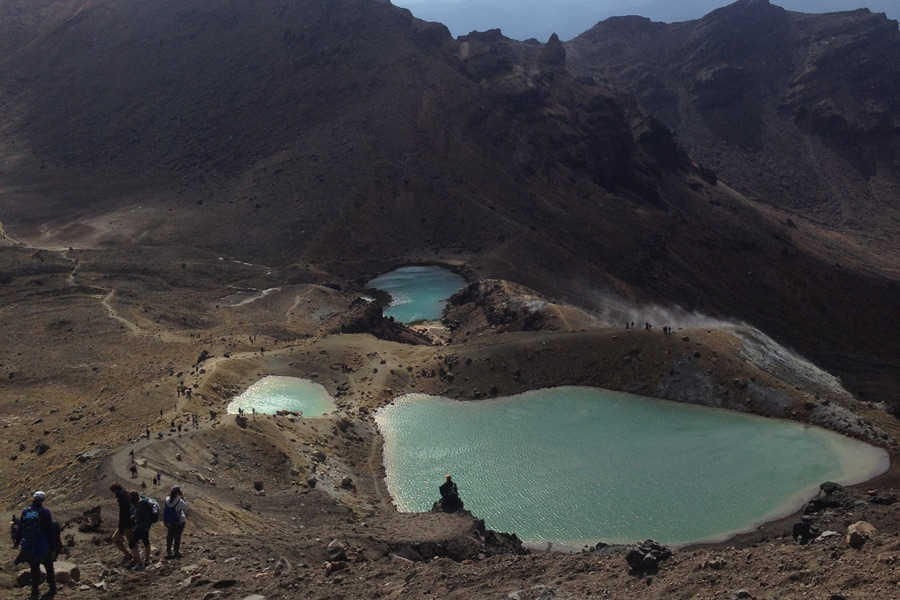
(418, 293)
(273, 393)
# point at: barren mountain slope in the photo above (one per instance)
(194, 193)
(798, 111)
(351, 136)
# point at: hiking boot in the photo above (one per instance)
(126, 560)
(49, 594)
(138, 567)
(177, 554)
(169, 556)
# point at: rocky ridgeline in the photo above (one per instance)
(363, 316)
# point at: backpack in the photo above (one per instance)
(154, 509)
(154, 514)
(34, 537)
(170, 515)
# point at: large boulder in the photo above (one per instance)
(859, 533)
(646, 556)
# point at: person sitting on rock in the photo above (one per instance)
(450, 501)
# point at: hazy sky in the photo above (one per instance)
(522, 19)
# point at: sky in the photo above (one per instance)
(523, 19)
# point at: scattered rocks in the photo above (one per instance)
(804, 531)
(90, 520)
(204, 355)
(827, 534)
(538, 592)
(90, 454)
(66, 572)
(715, 563)
(195, 580)
(886, 500)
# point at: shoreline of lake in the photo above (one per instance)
(775, 511)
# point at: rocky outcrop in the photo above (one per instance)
(498, 305)
(831, 495)
(364, 316)
(646, 556)
(752, 78)
(804, 531)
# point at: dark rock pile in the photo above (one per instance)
(646, 556)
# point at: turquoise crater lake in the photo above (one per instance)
(418, 293)
(273, 393)
(576, 466)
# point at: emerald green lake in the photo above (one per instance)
(273, 393)
(418, 293)
(576, 466)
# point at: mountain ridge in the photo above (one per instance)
(354, 136)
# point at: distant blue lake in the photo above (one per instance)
(418, 293)
(576, 466)
(274, 393)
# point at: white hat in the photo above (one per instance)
(39, 496)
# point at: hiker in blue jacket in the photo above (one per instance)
(35, 536)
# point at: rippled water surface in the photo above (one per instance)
(579, 465)
(274, 393)
(417, 293)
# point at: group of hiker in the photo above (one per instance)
(137, 514)
(648, 326)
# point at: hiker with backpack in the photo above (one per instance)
(174, 519)
(125, 526)
(146, 513)
(35, 536)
